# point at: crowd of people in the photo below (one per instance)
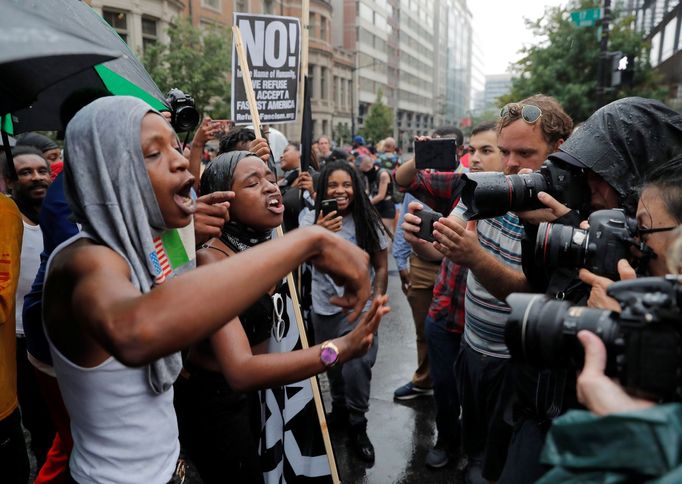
(124, 347)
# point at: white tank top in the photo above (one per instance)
(122, 431)
(31, 247)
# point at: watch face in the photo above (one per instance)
(328, 355)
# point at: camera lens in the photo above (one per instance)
(542, 331)
(489, 195)
(486, 194)
(559, 245)
(186, 118)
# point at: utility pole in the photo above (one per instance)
(603, 54)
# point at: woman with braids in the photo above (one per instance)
(216, 414)
(358, 222)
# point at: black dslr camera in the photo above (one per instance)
(184, 116)
(488, 195)
(644, 341)
(598, 249)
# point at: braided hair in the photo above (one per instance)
(366, 218)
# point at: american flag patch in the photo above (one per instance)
(160, 261)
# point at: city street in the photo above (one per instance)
(402, 433)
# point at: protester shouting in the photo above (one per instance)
(115, 327)
(216, 439)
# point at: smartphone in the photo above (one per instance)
(328, 206)
(428, 217)
(438, 154)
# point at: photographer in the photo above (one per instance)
(659, 212)
(528, 132)
(626, 438)
(615, 147)
(436, 289)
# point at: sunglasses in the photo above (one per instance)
(529, 113)
(645, 231)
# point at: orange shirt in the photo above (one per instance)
(11, 233)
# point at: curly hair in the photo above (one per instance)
(366, 218)
(555, 123)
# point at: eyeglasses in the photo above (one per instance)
(645, 231)
(529, 113)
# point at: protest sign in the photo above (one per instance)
(273, 50)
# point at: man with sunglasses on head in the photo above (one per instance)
(527, 132)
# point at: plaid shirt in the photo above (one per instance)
(440, 191)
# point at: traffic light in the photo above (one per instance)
(622, 68)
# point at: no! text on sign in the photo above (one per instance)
(273, 49)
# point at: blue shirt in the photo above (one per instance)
(401, 249)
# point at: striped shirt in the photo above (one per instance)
(485, 315)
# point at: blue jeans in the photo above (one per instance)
(443, 347)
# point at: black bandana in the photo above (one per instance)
(239, 237)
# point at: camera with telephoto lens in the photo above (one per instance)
(644, 341)
(488, 195)
(597, 249)
(184, 116)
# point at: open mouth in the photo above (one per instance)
(186, 197)
(275, 205)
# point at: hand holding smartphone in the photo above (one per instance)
(428, 218)
(328, 206)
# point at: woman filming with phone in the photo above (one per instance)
(355, 220)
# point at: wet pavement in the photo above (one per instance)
(402, 432)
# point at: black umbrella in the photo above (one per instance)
(123, 75)
(36, 52)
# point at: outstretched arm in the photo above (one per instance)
(139, 328)
(245, 371)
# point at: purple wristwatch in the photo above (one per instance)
(329, 354)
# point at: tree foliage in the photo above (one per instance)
(565, 64)
(379, 121)
(196, 61)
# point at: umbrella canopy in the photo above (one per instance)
(37, 52)
(123, 75)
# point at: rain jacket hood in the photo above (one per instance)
(623, 140)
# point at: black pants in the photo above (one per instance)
(14, 466)
(216, 428)
(523, 460)
(34, 412)
(482, 386)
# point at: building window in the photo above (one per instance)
(118, 21)
(149, 32)
(323, 83)
(311, 80)
(268, 7)
(323, 28)
(214, 4)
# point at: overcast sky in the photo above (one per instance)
(501, 31)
